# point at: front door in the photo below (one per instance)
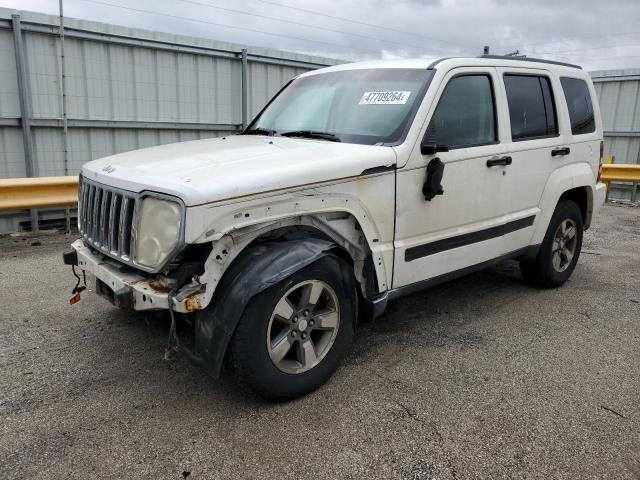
(464, 226)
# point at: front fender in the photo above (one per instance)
(231, 226)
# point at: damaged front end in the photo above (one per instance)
(130, 288)
(182, 292)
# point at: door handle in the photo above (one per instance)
(560, 151)
(499, 161)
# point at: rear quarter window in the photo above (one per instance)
(576, 92)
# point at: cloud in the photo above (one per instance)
(571, 30)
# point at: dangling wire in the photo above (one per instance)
(79, 288)
(173, 343)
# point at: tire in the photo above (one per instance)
(278, 320)
(553, 265)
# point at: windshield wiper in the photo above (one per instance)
(260, 131)
(311, 134)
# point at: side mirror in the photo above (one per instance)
(431, 148)
(432, 185)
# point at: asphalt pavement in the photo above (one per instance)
(482, 377)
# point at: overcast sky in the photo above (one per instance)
(596, 34)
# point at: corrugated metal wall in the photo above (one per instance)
(126, 89)
(619, 98)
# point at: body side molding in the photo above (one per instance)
(438, 246)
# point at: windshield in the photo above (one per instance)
(369, 106)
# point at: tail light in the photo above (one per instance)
(601, 160)
(601, 151)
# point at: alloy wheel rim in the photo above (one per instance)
(564, 244)
(303, 326)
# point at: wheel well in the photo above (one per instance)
(367, 278)
(363, 268)
(294, 232)
(580, 196)
(291, 232)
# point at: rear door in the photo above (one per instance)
(536, 145)
(463, 226)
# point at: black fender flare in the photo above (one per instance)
(256, 269)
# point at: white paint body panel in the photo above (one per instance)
(368, 199)
(206, 171)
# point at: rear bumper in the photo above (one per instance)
(599, 196)
(143, 293)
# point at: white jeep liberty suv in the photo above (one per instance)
(355, 185)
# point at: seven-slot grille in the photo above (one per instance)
(105, 218)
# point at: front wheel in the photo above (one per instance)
(293, 335)
(559, 250)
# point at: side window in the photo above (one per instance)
(465, 115)
(531, 107)
(579, 103)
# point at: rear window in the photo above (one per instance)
(579, 104)
(531, 107)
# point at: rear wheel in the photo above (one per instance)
(293, 335)
(560, 249)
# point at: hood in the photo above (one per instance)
(204, 171)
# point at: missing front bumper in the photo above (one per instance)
(122, 297)
(126, 287)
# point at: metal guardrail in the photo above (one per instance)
(620, 172)
(24, 193)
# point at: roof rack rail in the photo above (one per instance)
(528, 59)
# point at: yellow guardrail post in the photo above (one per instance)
(38, 192)
(608, 160)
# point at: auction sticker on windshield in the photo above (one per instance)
(385, 98)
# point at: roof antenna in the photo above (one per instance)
(486, 50)
(515, 54)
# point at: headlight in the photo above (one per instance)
(158, 231)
